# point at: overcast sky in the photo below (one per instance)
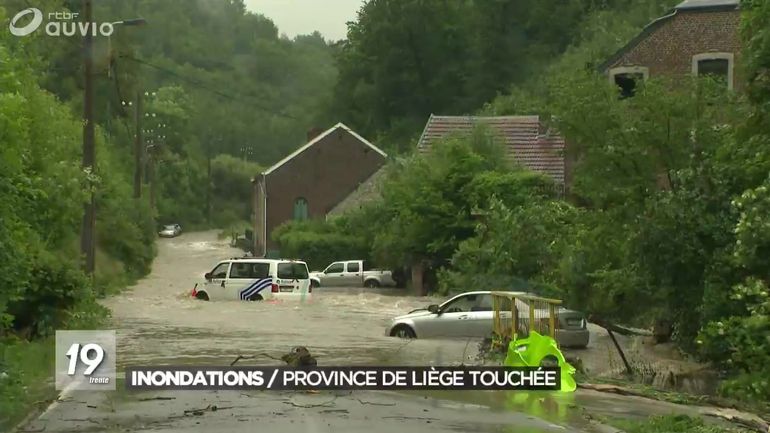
(299, 17)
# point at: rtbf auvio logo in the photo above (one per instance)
(61, 23)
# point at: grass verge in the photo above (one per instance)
(27, 383)
(761, 408)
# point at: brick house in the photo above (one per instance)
(311, 181)
(526, 140)
(697, 37)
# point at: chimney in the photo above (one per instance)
(313, 133)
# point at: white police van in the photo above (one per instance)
(251, 279)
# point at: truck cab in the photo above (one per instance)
(351, 273)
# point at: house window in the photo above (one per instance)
(717, 65)
(300, 209)
(627, 78)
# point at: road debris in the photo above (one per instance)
(375, 404)
(209, 408)
(307, 406)
(253, 357)
(750, 421)
(299, 357)
(157, 398)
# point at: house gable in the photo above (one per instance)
(319, 139)
(667, 46)
(313, 180)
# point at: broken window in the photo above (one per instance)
(627, 83)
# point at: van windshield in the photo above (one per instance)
(292, 271)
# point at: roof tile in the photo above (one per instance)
(524, 142)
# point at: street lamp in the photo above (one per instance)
(131, 22)
(134, 22)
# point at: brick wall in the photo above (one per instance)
(669, 48)
(324, 174)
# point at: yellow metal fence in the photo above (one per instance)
(515, 314)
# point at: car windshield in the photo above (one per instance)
(171, 227)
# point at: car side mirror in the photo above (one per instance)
(207, 276)
(433, 309)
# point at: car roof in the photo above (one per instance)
(487, 292)
(259, 260)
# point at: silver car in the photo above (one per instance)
(170, 231)
(470, 315)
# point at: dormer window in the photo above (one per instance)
(627, 78)
(716, 65)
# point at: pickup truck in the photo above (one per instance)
(351, 273)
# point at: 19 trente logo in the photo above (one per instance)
(59, 24)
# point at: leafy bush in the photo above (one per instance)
(43, 188)
(54, 287)
(181, 196)
(318, 243)
(126, 231)
(511, 245)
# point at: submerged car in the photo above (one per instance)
(471, 315)
(170, 231)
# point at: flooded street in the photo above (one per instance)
(158, 323)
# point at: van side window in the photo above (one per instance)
(249, 270)
(292, 271)
(353, 267)
(220, 271)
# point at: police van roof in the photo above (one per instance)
(261, 259)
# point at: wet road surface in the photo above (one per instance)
(158, 323)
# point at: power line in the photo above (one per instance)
(203, 86)
(113, 65)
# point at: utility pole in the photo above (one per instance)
(152, 177)
(208, 180)
(138, 144)
(87, 244)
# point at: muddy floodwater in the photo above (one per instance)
(158, 322)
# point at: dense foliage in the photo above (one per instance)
(665, 220)
(43, 189)
(452, 57)
(221, 79)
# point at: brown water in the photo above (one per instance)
(159, 323)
